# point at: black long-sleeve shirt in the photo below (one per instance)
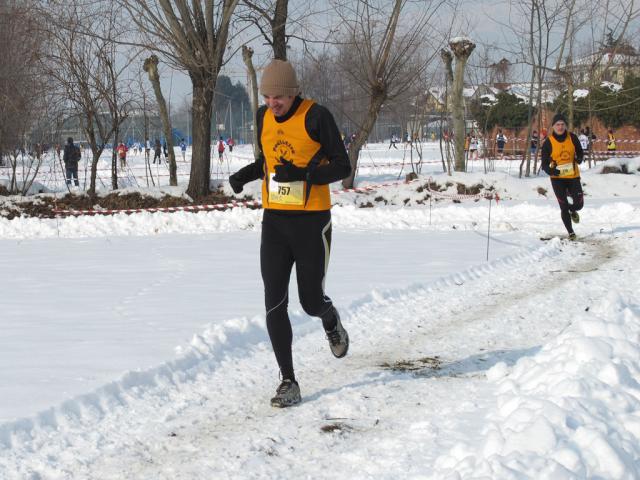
(545, 151)
(322, 128)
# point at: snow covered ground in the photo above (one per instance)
(135, 346)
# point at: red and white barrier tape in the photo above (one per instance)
(188, 208)
(598, 155)
(597, 140)
(396, 164)
(370, 188)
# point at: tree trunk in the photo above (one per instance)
(201, 145)
(375, 103)
(114, 160)
(151, 67)
(247, 54)
(91, 137)
(94, 172)
(447, 59)
(462, 50)
(278, 30)
(526, 152)
(570, 101)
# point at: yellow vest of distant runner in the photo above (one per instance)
(563, 154)
(291, 141)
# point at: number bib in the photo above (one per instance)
(289, 193)
(566, 169)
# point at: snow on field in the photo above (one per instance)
(135, 346)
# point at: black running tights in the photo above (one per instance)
(564, 188)
(304, 239)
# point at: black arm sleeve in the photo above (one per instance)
(254, 170)
(259, 122)
(323, 129)
(250, 172)
(545, 156)
(578, 147)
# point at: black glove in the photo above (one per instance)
(554, 172)
(288, 172)
(236, 184)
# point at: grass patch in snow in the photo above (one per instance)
(433, 363)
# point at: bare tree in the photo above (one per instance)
(247, 55)
(535, 27)
(115, 85)
(191, 36)
(462, 49)
(270, 18)
(83, 61)
(151, 67)
(606, 20)
(445, 150)
(538, 48)
(25, 110)
(382, 59)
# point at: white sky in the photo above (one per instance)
(484, 21)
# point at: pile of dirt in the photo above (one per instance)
(432, 186)
(615, 169)
(46, 206)
(472, 190)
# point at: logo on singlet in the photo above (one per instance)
(283, 148)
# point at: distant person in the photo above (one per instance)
(165, 150)
(473, 147)
(534, 142)
(220, 149)
(611, 141)
(183, 150)
(467, 144)
(58, 150)
(591, 136)
(584, 140)
(561, 153)
(157, 152)
(230, 143)
(147, 149)
(393, 141)
(71, 157)
(501, 141)
(122, 154)
(347, 141)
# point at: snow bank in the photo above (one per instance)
(209, 348)
(572, 410)
(442, 216)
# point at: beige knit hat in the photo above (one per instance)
(279, 78)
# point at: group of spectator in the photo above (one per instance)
(586, 137)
